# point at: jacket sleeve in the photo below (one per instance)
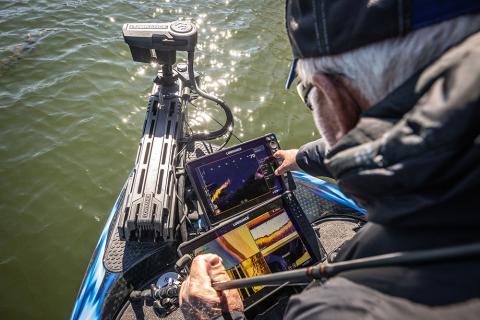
(310, 158)
(340, 298)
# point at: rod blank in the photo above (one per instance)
(327, 270)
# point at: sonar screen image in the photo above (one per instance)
(233, 247)
(278, 241)
(265, 244)
(252, 267)
(272, 230)
(240, 179)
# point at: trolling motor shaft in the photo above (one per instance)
(328, 270)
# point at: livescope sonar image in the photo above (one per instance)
(239, 178)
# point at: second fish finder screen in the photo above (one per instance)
(239, 181)
(262, 242)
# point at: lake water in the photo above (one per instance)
(72, 105)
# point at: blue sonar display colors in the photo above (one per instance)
(240, 180)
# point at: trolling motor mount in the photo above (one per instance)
(148, 212)
(152, 207)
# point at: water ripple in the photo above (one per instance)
(72, 105)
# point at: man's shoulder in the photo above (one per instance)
(458, 70)
(340, 298)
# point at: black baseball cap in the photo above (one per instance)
(319, 28)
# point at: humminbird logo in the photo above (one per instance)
(233, 151)
(236, 223)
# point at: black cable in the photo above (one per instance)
(227, 128)
(234, 135)
(328, 270)
(180, 194)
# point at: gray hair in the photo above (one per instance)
(377, 69)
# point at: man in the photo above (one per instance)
(394, 91)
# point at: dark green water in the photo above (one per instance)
(71, 109)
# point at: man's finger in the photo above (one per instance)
(278, 171)
(216, 270)
(281, 170)
(230, 299)
(198, 270)
(280, 154)
(184, 290)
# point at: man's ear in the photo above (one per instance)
(338, 90)
(335, 108)
(326, 88)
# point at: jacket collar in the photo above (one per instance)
(405, 152)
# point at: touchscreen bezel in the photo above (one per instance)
(229, 225)
(193, 172)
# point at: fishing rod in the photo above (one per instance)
(328, 270)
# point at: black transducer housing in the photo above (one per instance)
(158, 42)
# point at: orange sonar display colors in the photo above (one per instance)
(217, 192)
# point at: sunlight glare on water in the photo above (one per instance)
(72, 105)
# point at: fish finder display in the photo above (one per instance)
(240, 180)
(262, 242)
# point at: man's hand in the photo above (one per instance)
(198, 299)
(288, 159)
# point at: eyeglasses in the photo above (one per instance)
(303, 91)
